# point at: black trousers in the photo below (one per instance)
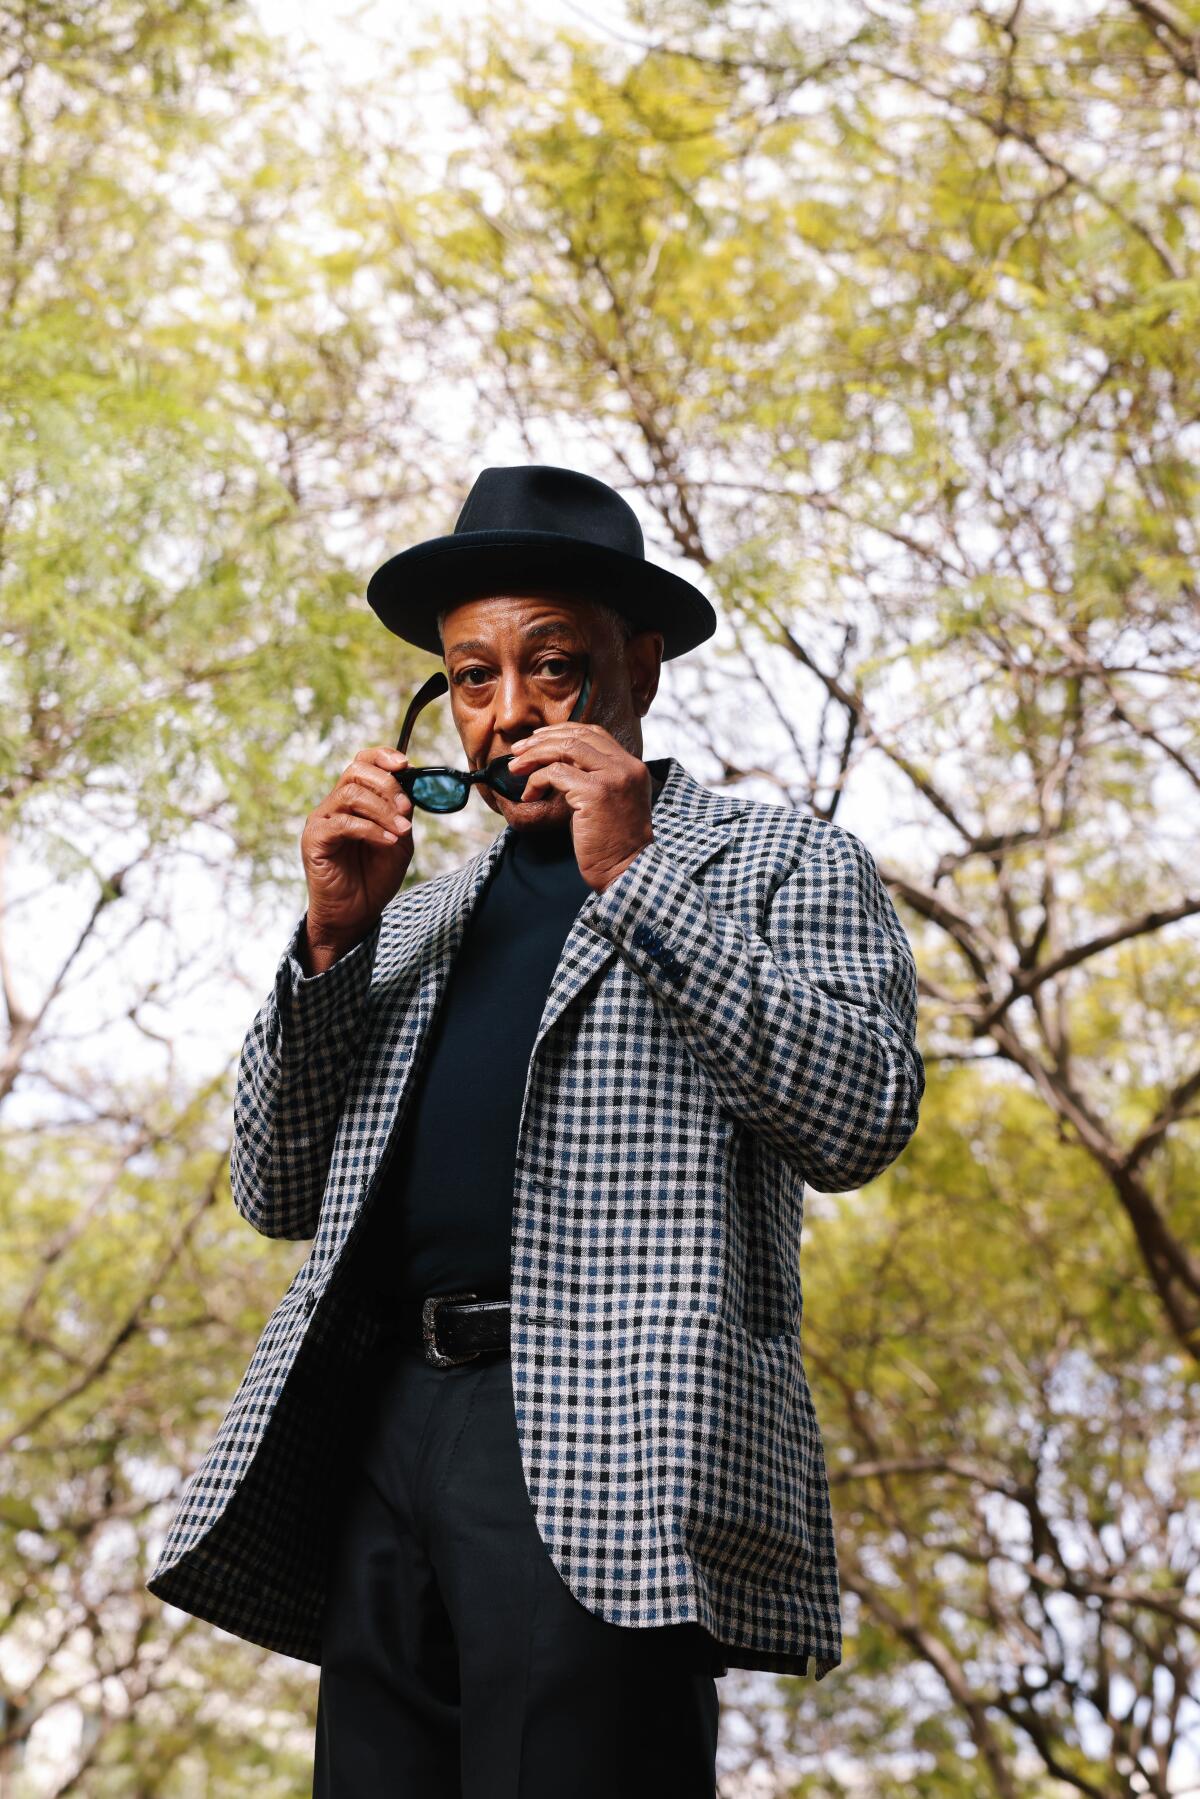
(456, 1662)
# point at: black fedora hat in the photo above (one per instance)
(539, 529)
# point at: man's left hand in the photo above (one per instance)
(608, 790)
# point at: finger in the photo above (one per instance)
(378, 765)
(383, 755)
(559, 777)
(572, 727)
(383, 780)
(560, 741)
(353, 824)
(381, 785)
(392, 813)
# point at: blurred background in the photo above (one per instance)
(884, 317)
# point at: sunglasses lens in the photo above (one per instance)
(440, 793)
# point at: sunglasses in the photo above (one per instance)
(448, 789)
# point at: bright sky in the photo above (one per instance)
(343, 32)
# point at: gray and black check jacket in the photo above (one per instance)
(734, 1016)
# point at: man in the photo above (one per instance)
(527, 1455)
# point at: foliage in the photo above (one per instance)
(193, 392)
(886, 323)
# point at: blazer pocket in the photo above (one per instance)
(733, 1418)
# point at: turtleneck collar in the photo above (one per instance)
(551, 843)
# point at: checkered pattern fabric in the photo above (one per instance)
(731, 1018)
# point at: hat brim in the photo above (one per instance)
(409, 590)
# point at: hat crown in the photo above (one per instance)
(537, 497)
(529, 529)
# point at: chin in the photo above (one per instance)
(553, 810)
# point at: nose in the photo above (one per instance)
(514, 714)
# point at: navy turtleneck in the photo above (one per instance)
(441, 1221)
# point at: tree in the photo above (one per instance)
(887, 323)
(194, 389)
(883, 323)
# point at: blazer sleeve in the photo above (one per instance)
(806, 1027)
(293, 1073)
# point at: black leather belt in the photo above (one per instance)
(449, 1327)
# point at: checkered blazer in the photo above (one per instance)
(732, 1017)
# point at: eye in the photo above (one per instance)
(554, 666)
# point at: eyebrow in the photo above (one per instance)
(476, 645)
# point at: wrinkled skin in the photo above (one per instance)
(514, 671)
(512, 693)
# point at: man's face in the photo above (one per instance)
(514, 664)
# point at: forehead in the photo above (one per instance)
(504, 619)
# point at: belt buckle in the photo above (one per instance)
(438, 1358)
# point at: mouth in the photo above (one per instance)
(518, 799)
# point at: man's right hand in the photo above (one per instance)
(356, 845)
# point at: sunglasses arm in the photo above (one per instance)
(432, 689)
